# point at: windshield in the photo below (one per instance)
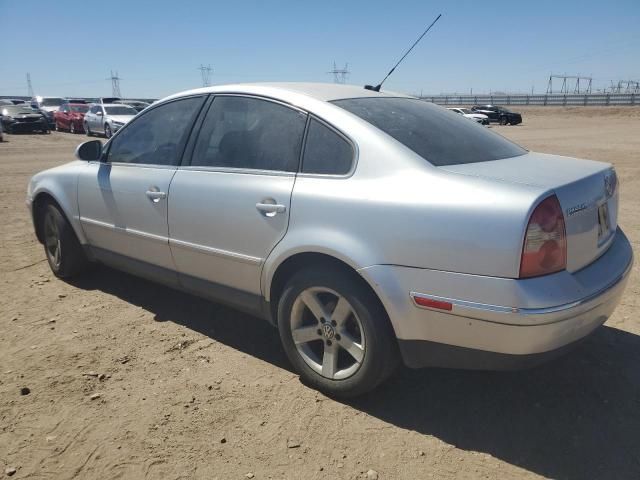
(15, 109)
(122, 110)
(431, 131)
(79, 108)
(51, 102)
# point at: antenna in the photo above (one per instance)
(377, 87)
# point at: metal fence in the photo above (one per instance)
(592, 99)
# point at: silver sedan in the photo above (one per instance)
(370, 228)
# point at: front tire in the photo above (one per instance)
(503, 120)
(72, 128)
(335, 332)
(107, 130)
(63, 250)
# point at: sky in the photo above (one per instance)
(70, 47)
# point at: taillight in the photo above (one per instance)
(545, 243)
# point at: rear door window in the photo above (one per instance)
(250, 133)
(326, 152)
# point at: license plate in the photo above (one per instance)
(603, 221)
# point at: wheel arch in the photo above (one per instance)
(38, 204)
(309, 259)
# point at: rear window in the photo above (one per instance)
(439, 136)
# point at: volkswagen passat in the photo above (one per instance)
(370, 228)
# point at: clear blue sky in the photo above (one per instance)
(69, 47)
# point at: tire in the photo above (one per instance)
(363, 328)
(107, 130)
(72, 128)
(64, 253)
(88, 130)
(503, 120)
(57, 128)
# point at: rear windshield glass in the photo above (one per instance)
(51, 102)
(439, 136)
(123, 110)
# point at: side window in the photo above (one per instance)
(95, 109)
(156, 137)
(325, 151)
(243, 132)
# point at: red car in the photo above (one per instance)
(69, 117)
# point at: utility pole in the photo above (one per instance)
(115, 85)
(206, 74)
(340, 74)
(586, 82)
(29, 86)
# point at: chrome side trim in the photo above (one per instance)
(526, 316)
(216, 251)
(125, 230)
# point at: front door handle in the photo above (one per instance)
(270, 209)
(155, 195)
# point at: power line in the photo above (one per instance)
(340, 74)
(567, 80)
(205, 72)
(29, 86)
(115, 85)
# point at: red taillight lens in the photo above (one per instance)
(545, 243)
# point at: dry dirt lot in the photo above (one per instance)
(189, 389)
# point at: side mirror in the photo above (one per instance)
(89, 151)
(99, 113)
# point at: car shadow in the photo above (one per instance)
(576, 417)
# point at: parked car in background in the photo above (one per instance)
(70, 117)
(476, 117)
(137, 105)
(48, 106)
(5, 101)
(306, 204)
(497, 114)
(107, 119)
(23, 118)
(105, 100)
(18, 101)
(1, 137)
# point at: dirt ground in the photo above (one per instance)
(192, 390)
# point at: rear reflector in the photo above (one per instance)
(430, 303)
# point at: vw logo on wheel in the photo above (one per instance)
(328, 331)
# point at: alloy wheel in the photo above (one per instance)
(52, 241)
(327, 333)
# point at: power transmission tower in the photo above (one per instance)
(206, 74)
(115, 85)
(340, 74)
(586, 83)
(29, 86)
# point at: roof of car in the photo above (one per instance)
(320, 91)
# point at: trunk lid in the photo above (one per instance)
(587, 192)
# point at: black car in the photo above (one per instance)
(498, 114)
(17, 118)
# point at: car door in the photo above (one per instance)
(123, 199)
(90, 117)
(229, 206)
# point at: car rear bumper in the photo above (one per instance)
(498, 323)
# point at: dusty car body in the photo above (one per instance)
(21, 118)
(476, 117)
(369, 227)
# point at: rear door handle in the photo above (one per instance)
(270, 209)
(155, 195)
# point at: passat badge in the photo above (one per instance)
(610, 181)
(575, 209)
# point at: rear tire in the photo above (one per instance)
(64, 253)
(503, 120)
(347, 347)
(72, 128)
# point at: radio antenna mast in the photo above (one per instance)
(377, 87)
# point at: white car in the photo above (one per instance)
(107, 119)
(465, 112)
